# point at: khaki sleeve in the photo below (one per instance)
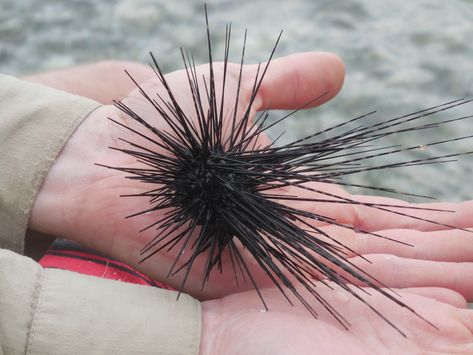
(35, 123)
(49, 311)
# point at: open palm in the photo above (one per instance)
(237, 324)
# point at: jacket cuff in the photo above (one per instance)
(35, 123)
(70, 313)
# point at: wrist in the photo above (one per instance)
(71, 171)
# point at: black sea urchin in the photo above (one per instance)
(217, 183)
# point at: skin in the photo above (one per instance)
(237, 324)
(92, 214)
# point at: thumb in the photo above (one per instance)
(293, 81)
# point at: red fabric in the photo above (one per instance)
(95, 265)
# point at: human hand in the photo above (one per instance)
(428, 255)
(79, 200)
(237, 324)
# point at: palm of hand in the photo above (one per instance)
(93, 215)
(95, 196)
(237, 325)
